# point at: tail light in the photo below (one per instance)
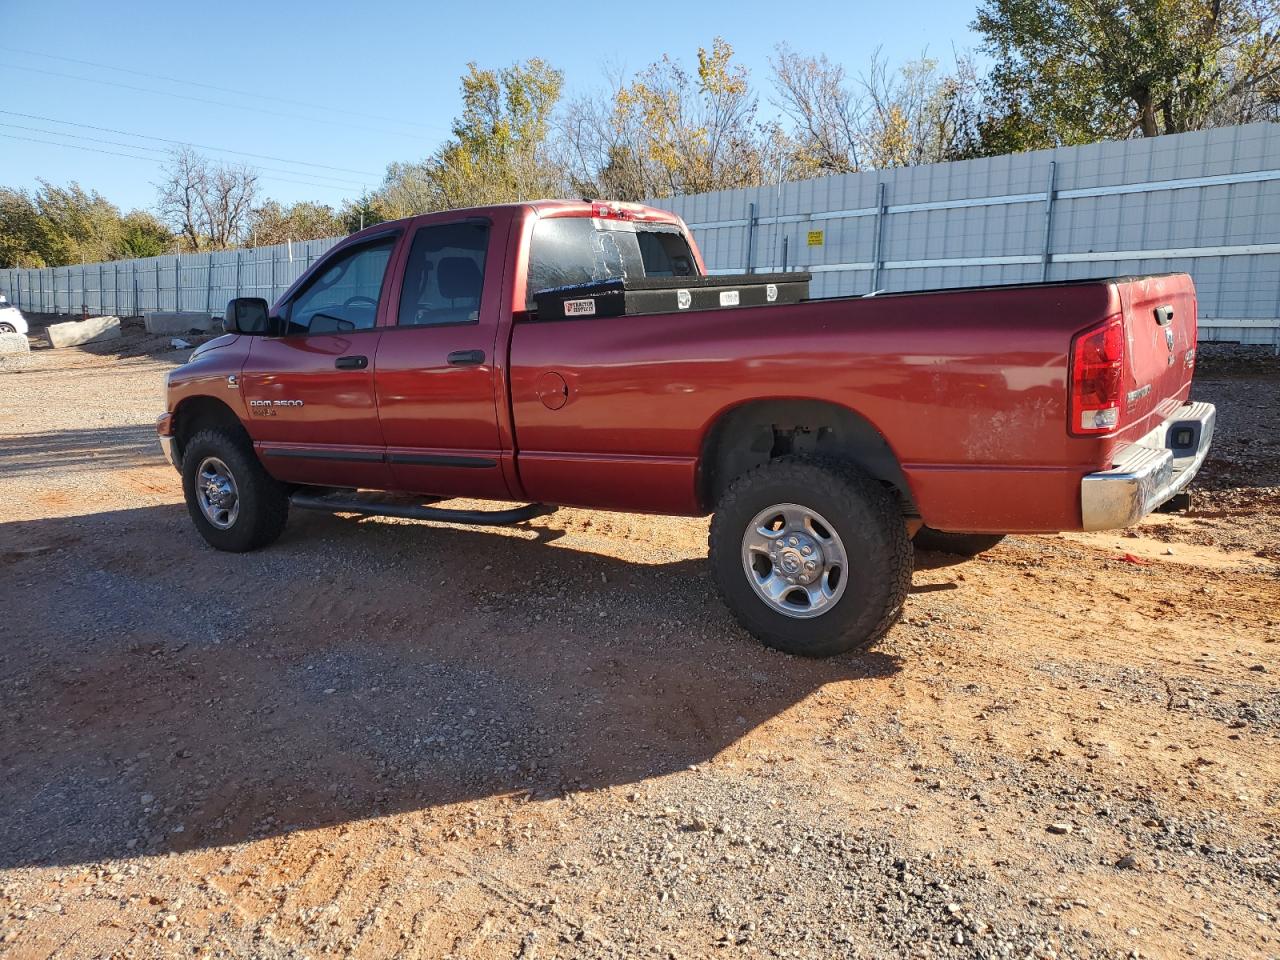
(1097, 378)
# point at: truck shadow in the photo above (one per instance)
(156, 695)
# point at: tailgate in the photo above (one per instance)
(1160, 321)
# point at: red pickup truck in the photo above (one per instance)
(410, 365)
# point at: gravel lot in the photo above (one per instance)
(383, 738)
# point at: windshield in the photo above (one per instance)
(573, 250)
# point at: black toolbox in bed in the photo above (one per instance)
(624, 297)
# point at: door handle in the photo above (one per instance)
(466, 358)
(351, 363)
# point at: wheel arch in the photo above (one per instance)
(755, 432)
(200, 412)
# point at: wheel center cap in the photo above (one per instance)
(217, 493)
(798, 557)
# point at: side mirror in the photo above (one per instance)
(247, 315)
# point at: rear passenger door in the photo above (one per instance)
(435, 368)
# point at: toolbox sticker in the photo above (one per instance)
(771, 292)
(728, 298)
(684, 299)
(579, 308)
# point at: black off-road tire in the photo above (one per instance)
(868, 519)
(960, 544)
(263, 500)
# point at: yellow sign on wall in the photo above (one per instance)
(815, 238)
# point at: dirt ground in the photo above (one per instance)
(380, 738)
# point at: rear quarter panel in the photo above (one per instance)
(967, 387)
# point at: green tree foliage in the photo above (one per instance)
(54, 225)
(143, 235)
(500, 149)
(1077, 71)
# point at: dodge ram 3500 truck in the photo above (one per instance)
(411, 361)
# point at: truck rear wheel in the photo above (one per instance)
(810, 556)
(235, 504)
(961, 544)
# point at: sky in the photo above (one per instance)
(333, 92)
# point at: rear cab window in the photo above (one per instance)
(570, 250)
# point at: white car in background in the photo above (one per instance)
(11, 318)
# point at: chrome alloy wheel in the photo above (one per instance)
(217, 494)
(795, 560)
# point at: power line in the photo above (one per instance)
(130, 156)
(187, 143)
(340, 181)
(211, 86)
(216, 103)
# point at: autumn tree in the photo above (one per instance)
(208, 204)
(883, 117)
(1077, 71)
(499, 152)
(273, 222)
(670, 132)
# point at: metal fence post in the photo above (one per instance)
(751, 236)
(877, 240)
(238, 253)
(1045, 255)
(177, 301)
(208, 283)
(136, 311)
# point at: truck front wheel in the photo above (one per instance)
(810, 556)
(235, 504)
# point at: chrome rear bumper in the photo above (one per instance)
(1149, 471)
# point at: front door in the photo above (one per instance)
(310, 390)
(435, 365)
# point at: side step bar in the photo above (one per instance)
(351, 503)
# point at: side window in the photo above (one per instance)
(444, 276)
(344, 295)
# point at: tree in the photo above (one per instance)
(668, 132)
(60, 225)
(208, 204)
(274, 223)
(363, 212)
(500, 151)
(883, 118)
(1085, 70)
(22, 233)
(816, 95)
(143, 235)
